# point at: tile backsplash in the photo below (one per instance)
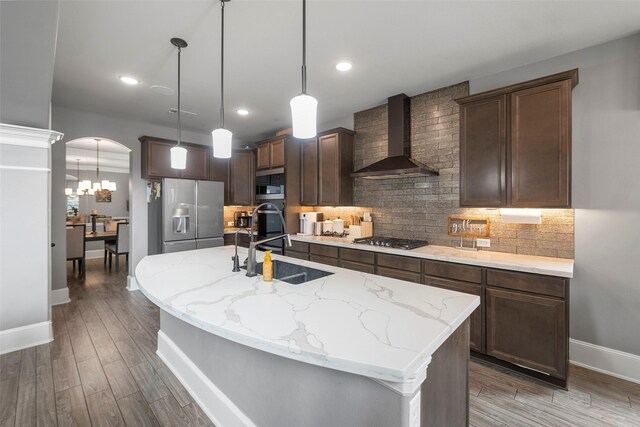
(419, 207)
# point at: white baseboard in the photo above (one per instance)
(94, 253)
(215, 404)
(606, 360)
(60, 296)
(25, 337)
(132, 283)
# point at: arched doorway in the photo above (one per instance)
(97, 188)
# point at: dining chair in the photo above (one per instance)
(110, 225)
(121, 245)
(76, 247)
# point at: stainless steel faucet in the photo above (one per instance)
(235, 259)
(251, 260)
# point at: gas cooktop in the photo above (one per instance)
(391, 242)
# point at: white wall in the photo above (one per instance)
(77, 124)
(605, 291)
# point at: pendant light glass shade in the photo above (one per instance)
(221, 143)
(303, 113)
(68, 191)
(112, 186)
(105, 184)
(178, 157)
(84, 185)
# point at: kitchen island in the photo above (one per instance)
(347, 349)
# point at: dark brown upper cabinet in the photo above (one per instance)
(515, 144)
(219, 171)
(270, 153)
(156, 160)
(242, 178)
(327, 162)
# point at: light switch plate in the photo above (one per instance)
(229, 223)
(483, 243)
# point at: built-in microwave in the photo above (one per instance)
(270, 184)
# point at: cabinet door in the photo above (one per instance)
(540, 145)
(309, 173)
(197, 163)
(527, 330)
(219, 171)
(329, 170)
(276, 153)
(158, 160)
(483, 129)
(263, 156)
(409, 276)
(241, 178)
(475, 331)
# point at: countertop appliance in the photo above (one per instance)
(307, 219)
(188, 215)
(242, 219)
(391, 242)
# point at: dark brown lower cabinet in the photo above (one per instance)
(324, 260)
(296, 254)
(394, 273)
(243, 240)
(528, 330)
(358, 266)
(475, 332)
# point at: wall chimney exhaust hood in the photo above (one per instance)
(398, 163)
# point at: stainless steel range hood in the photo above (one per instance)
(398, 163)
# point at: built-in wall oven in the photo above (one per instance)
(269, 225)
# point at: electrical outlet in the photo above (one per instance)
(414, 410)
(483, 243)
(229, 223)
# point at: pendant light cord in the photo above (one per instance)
(304, 46)
(179, 130)
(222, 65)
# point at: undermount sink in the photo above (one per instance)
(292, 273)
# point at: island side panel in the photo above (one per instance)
(275, 391)
(445, 392)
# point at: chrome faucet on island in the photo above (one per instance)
(251, 259)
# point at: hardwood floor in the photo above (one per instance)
(102, 369)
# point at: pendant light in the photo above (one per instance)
(178, 153)
(304, 106)
(221, 137)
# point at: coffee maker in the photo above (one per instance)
(242, 219)
(307, 219)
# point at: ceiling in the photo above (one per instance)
(114, 157)
(395, 46)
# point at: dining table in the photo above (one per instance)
(100, 235)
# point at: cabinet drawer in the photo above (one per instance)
(399, 262)
(449, 270)
(358, 266)
(324, 250)
(324, 260)
(398, 274)
(475, 331)
(229, 239)
(528, 330)
(299, 246)
(298, 255)
(357, 255)
(536, 283)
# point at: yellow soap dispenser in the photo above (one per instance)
(267, 267)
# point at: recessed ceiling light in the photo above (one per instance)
(242, 111)
(344, 66)
(129, 80)
(162, 90)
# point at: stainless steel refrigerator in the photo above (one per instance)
(188, 215)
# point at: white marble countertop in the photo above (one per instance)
(560, 267)
(379, 327)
